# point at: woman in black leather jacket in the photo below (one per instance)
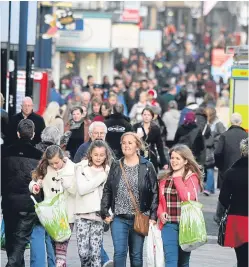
(142, 179)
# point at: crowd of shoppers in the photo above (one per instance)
(158, 115)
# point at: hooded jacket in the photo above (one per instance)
(117, 125)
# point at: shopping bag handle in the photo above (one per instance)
(34, 200)
(196, 195)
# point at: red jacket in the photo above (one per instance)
(182, 187)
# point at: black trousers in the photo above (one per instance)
(18, 229)
(242, 255)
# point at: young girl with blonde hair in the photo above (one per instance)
(180, 183)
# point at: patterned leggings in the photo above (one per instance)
(89, 236)
(61, 251)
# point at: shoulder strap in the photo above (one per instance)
(205, 128)
(129, 189)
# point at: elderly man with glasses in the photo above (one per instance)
(97, 130)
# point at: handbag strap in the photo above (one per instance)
(205, 128)
(129, 188)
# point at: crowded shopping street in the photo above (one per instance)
(124, 133)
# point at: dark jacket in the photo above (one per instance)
(209, 143)
(117, 125)
(81, 152)
(4, 123)
(236, 184)
(75, 140)
(14, 121)
(154, 140)
(228, 148)
(191, 135)
(42, 146)
(147, 187)
(129, 101)
(18, 161)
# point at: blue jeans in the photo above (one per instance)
(124, 237)
(104, 256)
(40, 243)
(173, 254)
(210, 180)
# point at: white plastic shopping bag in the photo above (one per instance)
(155, 254)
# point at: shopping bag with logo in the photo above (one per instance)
(192, 228)
(155, 254)
(52, 214)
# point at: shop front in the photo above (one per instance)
(85, 52)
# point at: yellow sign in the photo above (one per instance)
(240, 73)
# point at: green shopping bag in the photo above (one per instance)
(192, 228)
(52, 214)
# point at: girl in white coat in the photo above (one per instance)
(55, 173)
(91, 175)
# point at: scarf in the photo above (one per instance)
(76, 125)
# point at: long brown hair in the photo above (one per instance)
(109, 155)
(191, 165)
(211, 114)
(41, 170)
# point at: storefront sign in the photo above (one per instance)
(96, 35)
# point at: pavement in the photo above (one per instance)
(209, 255)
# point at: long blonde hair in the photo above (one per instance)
(52, 111)
(191, 165)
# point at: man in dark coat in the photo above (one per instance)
(18, 161)
(26, 113)
(228, 147)
(227, 153)
(117, 125)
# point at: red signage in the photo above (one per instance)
(130, 15)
